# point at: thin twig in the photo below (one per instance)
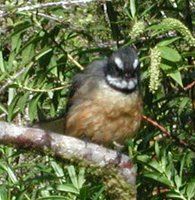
(75, 62)
(68, 55)
(65, 4)
(156, 124)
(189, 86)
(166, 132)
(11, 80)
(42, 90)
(53, 4)
(53, 18)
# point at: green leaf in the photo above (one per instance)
(132, 8)
(178, 180)
(33, 107)
(81, 177)
(190, 188)
(2, 107)
(183, 104)
(176, 76)
(153, 164)
(16, 42)
(54, 197)
(147, 10)
(58, 170)
(73, 176)
(189, 54)
(12, 102)
(22, 101)
(157, 150)
(3, 192)
(173, 73)
(169, 54)
(97, 195)
(175, 194)
(143, 158)
(10, 173)
(2, 67)
(169, 167)
(67, 188)
(11, 60)
(159, 177)
(43, 53)
(167, 41)
(21, 26)
(27, 54)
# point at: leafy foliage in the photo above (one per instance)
(42, 48)
(42, 177)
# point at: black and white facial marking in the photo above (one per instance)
(123, 69)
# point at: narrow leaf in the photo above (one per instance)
(67, 188)
(183, 104)
(58, 170)
(81, 178)
(168, 41)
(73, 176)
(158, 177)
(10, 173)
(2, 107)
(33, 107)
(15, 41)
(190, 189)
(2, 67)
(132, 8)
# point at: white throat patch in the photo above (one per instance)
(122, 84)
(119, 62)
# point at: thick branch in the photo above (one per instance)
(67, 147)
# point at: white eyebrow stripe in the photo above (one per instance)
(135, 63)
(119, 62)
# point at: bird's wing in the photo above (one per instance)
(93, 72)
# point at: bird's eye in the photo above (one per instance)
(118, 70)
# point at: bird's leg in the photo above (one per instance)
(85, 139)
(118, 147)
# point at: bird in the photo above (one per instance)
(105, 104)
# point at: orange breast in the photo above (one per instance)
(104, 115)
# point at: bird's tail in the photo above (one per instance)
(57, 126)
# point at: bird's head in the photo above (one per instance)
(122, 70)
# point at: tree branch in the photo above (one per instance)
(77, 151)
(52, 4)
(190, 86)
(64, 4)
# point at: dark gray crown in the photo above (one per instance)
(122, 70)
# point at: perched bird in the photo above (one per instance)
(105, 104)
